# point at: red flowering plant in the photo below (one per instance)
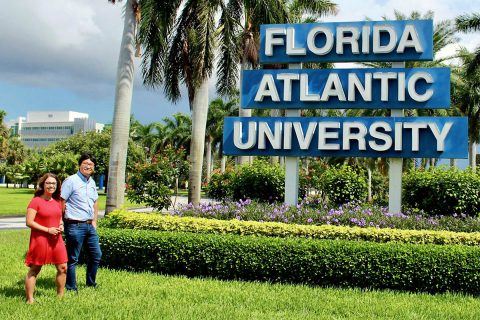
(151, 183)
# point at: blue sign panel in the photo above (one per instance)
(405, 40)
(392, 88)
(393, 137)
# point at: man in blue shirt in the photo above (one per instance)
(80, 196)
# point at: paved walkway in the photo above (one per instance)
(12, 223)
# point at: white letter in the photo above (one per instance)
(349, 135)
(287, 135)
(304, 95)
(327, 47)
(291, 50)
(381, 136)
(365, 91)
(398, 136)
(270, 40)
(413, 43)
(411, 86)
(267, 88)
(287, 84)
(401, 86)
(323, 135)
(274, 139)
(440, 136)
(352, 40)
(304, 140)
(237, 135)
(366, 39)
(384, 77)
(415, 126)
(377, 47)
(333, 87)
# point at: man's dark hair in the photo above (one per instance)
(87, 156)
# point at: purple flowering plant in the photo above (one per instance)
(311, 211)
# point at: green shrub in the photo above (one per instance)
(427, 268)
(124, 219)
(220, 185)
(150, 182)
(259, 181)
(441, 191)
(343, 184)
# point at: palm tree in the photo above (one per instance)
(240, 42)
(217, 111)
(121, 115)
(467, 23)
(443, 35)
(186, 56)
(151, 137)
(178, 130)
(180, 49)
(466, 100)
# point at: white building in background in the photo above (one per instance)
(41, 128)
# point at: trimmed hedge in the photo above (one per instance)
(425, 268)
(124, 219)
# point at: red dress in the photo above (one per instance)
(46, 248)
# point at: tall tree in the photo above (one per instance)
(469, 23)
(178, 130)
(122, 109)
(217, 111)
(183, 56)
(240, 33)
(443, 35)
(466, 99)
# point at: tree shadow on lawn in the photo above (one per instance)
(18, 290)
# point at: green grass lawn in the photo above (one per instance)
(126, 295)
(15, 201)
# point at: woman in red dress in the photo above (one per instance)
(44, 218)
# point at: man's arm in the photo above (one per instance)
(95, 214)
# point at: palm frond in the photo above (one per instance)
(468, 22)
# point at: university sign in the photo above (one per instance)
(405, 137)
(394, 88)
(407, 40)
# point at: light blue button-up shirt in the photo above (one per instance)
(80, 195)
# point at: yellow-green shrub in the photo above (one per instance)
(130, 220)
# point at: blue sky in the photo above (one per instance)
(63, 54)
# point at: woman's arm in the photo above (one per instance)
(31, 213)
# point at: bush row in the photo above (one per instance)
(440, 191)
(426, 268)
(436, 191)
(123, 219)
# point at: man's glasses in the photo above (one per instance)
(88, 165)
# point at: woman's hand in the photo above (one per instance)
(54, 231)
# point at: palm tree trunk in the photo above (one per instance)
(209, 158)
(453, 163)
(472, 155)
(121, 115)
(243, 113)
(197, 146)
(369, 172)
(223, 163)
